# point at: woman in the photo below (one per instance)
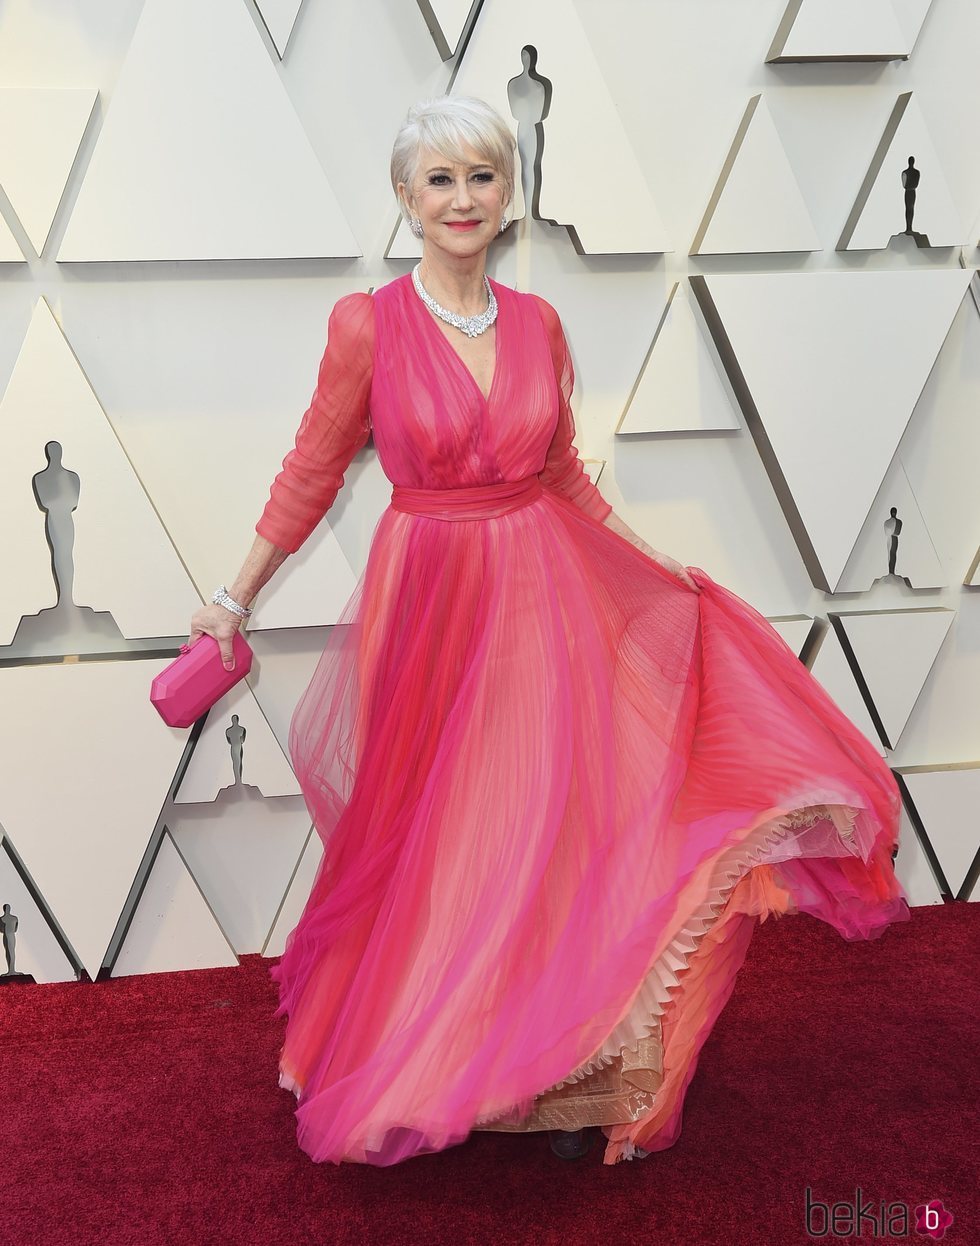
(558, 777)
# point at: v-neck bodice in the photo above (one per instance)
(433, 425)
(497, 326)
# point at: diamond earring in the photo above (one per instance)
(415, 225)
(503, 224)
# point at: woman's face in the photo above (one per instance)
(444, 193)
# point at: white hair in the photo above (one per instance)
(445, 124)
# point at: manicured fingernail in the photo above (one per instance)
(229, 666)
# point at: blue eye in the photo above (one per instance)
(438, 178)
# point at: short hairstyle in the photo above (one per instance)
(444, 123)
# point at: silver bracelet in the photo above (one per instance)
(220, 598)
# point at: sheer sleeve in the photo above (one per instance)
(335, 426)
(563, 470)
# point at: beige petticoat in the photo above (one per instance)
(618, 1084)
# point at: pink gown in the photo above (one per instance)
(556, 787)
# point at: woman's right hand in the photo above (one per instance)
(220, 623)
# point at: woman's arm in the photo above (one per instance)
(214, 620)
(262, 562)
(563, 471)
(334, 427)
(612, 520)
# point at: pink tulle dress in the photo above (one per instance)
(556, 786)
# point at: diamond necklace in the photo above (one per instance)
(472, 326)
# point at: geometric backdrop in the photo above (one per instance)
(784, 395)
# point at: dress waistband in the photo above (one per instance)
(468, 502)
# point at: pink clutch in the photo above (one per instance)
(193, 682)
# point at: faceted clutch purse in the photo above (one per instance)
(193, 682)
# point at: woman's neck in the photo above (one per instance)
(457, 287)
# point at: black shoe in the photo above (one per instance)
(571, 1143)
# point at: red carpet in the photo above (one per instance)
(146, 1110)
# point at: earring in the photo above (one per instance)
(415, 225)
(503, 224)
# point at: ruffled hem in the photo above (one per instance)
(655, 992)
(643, 1018)
(288, 1082)
(624, 1150)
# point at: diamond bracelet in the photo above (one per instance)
(220, 598)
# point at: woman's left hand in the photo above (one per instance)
(680, 571)
(675, 568)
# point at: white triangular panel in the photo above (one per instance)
(279, 17)
(172, 928)
(242, 854)
(10, 252)
(895, 650)
(85, 765)
(124, 560)
(829, 367)
(839, 30)
(972, 577)
(878, 214)
(40, 132)
(36, 950)
(757, 205)
(830, 668)
(310, 589)
(446, 20)
(947, 800)
(794, 631)
(912, 868)
(264, 765)
(916, 559)
(285, 663)
(593, 469)
(911, 14)
(681, 386)
(294, 901)
(583, 129)
(202, 155)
